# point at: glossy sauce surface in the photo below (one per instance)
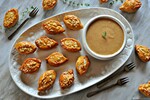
(105, 36)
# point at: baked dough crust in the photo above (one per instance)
(72, 22)
(82, 64)
(103, 1)
(71, 44)
(25, 47)
(48, 4)
(46, 80)
(30, 65)
(56, 59)
(130, 6)
(145, 89)
(66, 79)
(11, 18)
(45, 43)
(143, 52)
(53, 27)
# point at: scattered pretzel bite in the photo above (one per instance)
(71, 44)
(145, 89)
(53, 27)
(11, 18)
(25, 47)
(72, 22)
(46, 80)
(56, 59)
(45, 43)
(66, 79)
(103, 1)
(143, 52)
(49, 4)
(130, 6)
(30, 65)
(82, 64)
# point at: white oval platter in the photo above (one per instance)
(98, 70)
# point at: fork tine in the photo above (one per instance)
(33, 10)
(36, 8)
(36, 11)
(124, 78)
(124, 82)
(131, 66)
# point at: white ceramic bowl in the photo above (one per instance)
(92, 53)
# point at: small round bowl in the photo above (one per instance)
(92, 53)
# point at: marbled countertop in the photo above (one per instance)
(139, 22)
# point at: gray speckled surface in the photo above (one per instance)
(139, 22)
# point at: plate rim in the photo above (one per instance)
(71, 92)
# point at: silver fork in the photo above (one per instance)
(127, 68)
(119, 82)
(32, 14)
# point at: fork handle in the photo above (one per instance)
(90, 94)
(14, 33)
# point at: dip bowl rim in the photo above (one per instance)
(94, 54)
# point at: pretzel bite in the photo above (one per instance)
(66, 79)
(145, 89)
(71, 44)
(82, 64)
(56, 59)
(11, 18)
(25, 47)
(49, 4)
(103, 1)
(46, 80)
(72, 22)
(45, 43)
(130, 6)
(30, 65)
(53, 27)
(143, 52)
